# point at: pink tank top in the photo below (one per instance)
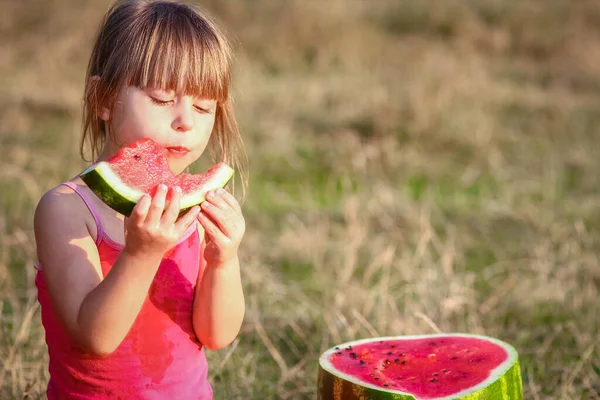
(160, 358)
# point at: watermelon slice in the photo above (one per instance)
(139, 168)
(441, 367)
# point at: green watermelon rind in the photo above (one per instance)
(504, 382)
(107, 185)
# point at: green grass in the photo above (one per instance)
(414, 168)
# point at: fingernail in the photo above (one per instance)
(210, 194)
(162, 187)
(177, 189)
(220, 191)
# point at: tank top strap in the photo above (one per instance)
(88, 204)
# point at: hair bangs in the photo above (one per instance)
(184, 55)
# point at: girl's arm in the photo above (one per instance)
(219, 303)
(99, 312)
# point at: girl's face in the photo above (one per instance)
(180, 123)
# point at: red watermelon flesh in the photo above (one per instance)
(140, 168)
(189, 182)
(143, 165)
(426, 368)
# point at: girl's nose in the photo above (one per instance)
(184, 118)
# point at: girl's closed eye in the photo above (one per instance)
(202, 110)
(205, 106)
(160, 102)
(165, 102)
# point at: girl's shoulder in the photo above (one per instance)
(62, 209)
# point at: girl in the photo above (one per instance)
(128, 304)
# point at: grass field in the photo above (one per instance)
(416, 166)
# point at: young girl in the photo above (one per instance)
(128, 304)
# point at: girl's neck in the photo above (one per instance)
(107, 152)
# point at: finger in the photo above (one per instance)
(218, 217)
(217, 198)
(212, 197)
(211, 228)
(229, 199)
(172, 212)
(157, 206)
(188, 218)
(140, 210)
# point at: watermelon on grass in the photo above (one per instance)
(440, 367)
(139, 168)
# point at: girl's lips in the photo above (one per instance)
(178, 151)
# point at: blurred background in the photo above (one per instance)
(417, 166)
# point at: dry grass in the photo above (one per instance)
(416, 167)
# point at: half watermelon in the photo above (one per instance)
(139, 168)
(425, 367)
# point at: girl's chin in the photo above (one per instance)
(177, 166)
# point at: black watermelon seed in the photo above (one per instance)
(137, 157)
(454, 358)
(435, 374)
(363, 362)
(432, 343)
(445, 370)
(433, 380)
(402, 354)
(389, 353)
(337, 348)
(376, 378)
(349, 348)
(339, 353)
(386, 385)
(353, 355)
(404, 362)
(397, 360)
(387, 362)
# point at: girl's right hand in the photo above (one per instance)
(151, 229)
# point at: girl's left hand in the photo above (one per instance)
(224, 226)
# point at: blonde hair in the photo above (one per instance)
(169, 45)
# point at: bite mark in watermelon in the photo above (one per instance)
(424, 367)
(139, 168)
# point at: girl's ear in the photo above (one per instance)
(102, 112)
